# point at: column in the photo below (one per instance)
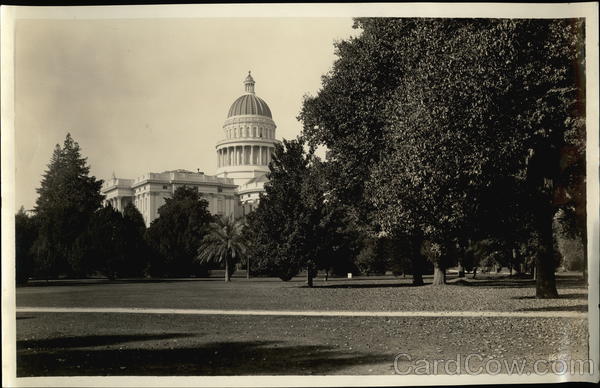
(252, 155)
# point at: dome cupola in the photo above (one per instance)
(249, 103)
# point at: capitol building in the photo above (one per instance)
(243, 158)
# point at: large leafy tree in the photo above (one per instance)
(224, 244)
(177, 233)
(347, 115)
(489, 103)
(423, 117)
(68, 197)
(440, 135)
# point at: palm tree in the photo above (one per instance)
(223, 243)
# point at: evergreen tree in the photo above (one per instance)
(68, 197)
(308, 231)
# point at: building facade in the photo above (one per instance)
(243, 158)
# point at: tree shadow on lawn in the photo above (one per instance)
(577, 308)
(92, 340)
(518, 283)
(97, 282)
(211, 359)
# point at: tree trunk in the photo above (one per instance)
(417, 279)
(248, 268)
(512, 263)
(461, 270)
(439, 275)
(545, 280)
(309, 277)
(227, 270)
(474, 272)
(418, 262)
(584, 273)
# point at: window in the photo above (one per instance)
(219, 189)
(165, 187)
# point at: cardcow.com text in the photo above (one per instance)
(476, 364)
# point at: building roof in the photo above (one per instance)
(249, 103)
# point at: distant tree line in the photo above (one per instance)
(70, 233)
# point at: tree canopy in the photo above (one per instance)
(425, 118)
(177, 233)
(294, 226)
(224, 244)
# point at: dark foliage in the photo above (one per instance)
(68, 198)
(25, 235)
(176, 234)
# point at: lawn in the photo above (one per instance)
(358, 294)
(53, 344)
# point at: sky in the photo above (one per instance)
(149, 95)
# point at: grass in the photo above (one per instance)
(358, 294)
(54, 344)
